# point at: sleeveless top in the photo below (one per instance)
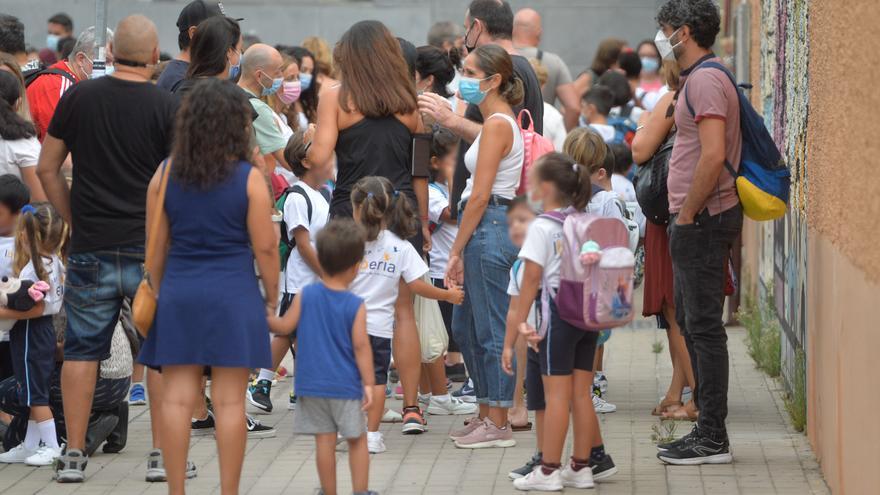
(510, 169)
(380, 147)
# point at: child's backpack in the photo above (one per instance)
(624, 126)
(534, 146)
(287, 244)
(596, 274)
(763, 182)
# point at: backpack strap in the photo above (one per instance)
(556, 216)
(519, 120)
(540, 55)
(29, 79)
(296, 188)
(687, 101)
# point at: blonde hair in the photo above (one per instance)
(670, 73)
(586, 147)
(41, 232)
(322, 55)
(540, 71)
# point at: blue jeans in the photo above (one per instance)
(96, 285)
(479, 323)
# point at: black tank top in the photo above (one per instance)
(380, 147)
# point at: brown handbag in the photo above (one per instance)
(143, 308)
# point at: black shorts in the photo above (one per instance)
(446, 312)
(5, 361)
(534, 382)
(32, 344)
(381, 358)
(286, 302)
(566, 348)
(418, 240)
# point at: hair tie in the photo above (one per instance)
(574, 167)
(396, 193)
(369, 194)
(28, 209)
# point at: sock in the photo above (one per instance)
(32, 437)
(47, 433)
(578, 464)
(441, 398)
(374, 434)
(548, 468)
(597, 453)
(266, 375)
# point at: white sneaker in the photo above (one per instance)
(537, 480)
(425, 398)
(577, 479)
(392, 416)
(17, 455)
(44, 456)
(601, 406)
(453, 405)
(375, 442)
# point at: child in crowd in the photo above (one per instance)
(334, 373)
(623, 186)
(13, 196)
(388, 220)
(519, 216)
(443, 228)
(306, 212)
(39, 241)
(595, 105)
(565, 353)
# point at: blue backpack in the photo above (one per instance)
(764, 181)
(624, 126)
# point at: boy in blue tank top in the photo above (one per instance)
(334, 366)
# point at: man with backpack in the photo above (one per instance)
(46, 86)
(706, 216)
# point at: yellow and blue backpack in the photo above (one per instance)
(763, 182)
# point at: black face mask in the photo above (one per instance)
(471, 48)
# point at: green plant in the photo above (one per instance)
(762, 333)
(796, 401)
(657, 347)
(664, 432)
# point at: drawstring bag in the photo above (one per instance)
(432, 330)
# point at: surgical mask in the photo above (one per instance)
(665, 46)
(305, 80)
(469, 88)
(271, 90)
(472, 47)
(536, 206)
(290, 91)
(235, 69)
(650, 64)
(52, 41)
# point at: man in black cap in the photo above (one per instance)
(190, 17)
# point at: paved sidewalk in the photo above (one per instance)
(769, 456)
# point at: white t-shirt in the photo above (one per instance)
(386, 260)
(55, 273)
(7, 257)
(605, 131)
(509, 170)
(543, 245)
(514, 286)
(444, 235)
(18, 154)
(554, 126)
(605, 204)
(298, 274)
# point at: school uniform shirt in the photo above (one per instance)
(444, 234)
(543, 245)
(605, 204)
(55, 275)
(627, 192)
(605, 131)
(386, 260)
(298, 274)
(7, 255)
(18, 154)
(514, 286)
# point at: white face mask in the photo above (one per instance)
(664, 46)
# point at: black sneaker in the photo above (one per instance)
(687, 438)
(255, 429)
(203, 427)
(456, 373)
(258, 394)
(526, 468)
(698, 449)
(71, 466)
(603, 469)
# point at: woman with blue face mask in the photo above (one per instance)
(650, 83)
(215, 51)
(482, 254)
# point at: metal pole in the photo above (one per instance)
(99, 56)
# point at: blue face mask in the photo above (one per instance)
(469, 89)
(52, 41)
(271, 90)
(305, 81)
(235, 69)
(650, 64)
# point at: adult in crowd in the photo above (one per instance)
(655, 129)
(482, 254)
(58, 27)
(487, 22)
(554, 125)
(190, 17)
(8, 64)
(47, 89)
(214, 52)
(370, 128)
(435, 70)
(19, 148)
(651, 84)
(706, 216)
(324, 59)
(306, 107)
(527, 32)
(261, 76)
(212, 192)
(447, 36)
(12, 41)
(114, 156)
(605, 58)
(283, 102)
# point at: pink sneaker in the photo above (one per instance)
(470, 425)
(487, 435)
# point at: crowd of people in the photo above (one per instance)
(273, 198)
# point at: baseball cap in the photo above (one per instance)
(197, 11)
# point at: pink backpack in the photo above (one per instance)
(534, 146)
(596, 275)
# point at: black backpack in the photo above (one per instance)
(32, 75)
(650, 184)
(287, 244)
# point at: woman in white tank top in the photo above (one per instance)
(482, 253)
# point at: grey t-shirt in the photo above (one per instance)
(557, 71)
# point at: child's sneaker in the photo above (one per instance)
(425, 399)
(392, 416)
(71, 466)
(137, 396)
(600, 381)
(582, 478)
(602, 406)
(466, 393)
(603, 469)
(398, 392)
(537, 480)
(526, 468)
(413, 421)
(156, 468)
(291, 402)
(44, 456)
(16, 455)
(203, 427)
(255, 429)
(258, 394)
(375, 442)
(451, 405)
(487, 435)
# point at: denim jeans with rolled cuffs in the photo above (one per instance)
(96, 284)
(478, 324)
(700, 254)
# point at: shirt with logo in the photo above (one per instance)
(43, 95)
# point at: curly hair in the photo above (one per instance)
(701, 16)
(211, 133)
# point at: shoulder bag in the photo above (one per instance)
(143, 308)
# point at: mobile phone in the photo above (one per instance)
(421, 155)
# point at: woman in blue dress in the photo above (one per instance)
(216, 220)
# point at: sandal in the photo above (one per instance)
(663, 408)
(525, 427)
(684, 413)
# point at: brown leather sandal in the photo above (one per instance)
(684, 413)
(663, 408)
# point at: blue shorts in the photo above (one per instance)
(96, 285)
(381, 358)
(32, 344)
(566, 348)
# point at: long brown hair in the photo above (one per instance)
(492, 59)
(572, 180)
(374, 77)
(41, 232)
(606, 55)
